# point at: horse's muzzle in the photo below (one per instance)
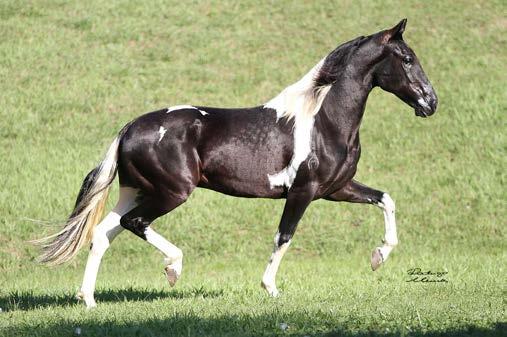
(426, 106)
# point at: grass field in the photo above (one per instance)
(73, 73)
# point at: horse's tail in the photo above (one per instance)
(78, 230)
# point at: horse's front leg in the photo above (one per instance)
(295, 206)
(354, 191)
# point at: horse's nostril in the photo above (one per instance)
(433, 102)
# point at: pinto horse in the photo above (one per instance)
(302, 145)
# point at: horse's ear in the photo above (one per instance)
(395, 33)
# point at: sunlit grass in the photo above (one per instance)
(72, 74)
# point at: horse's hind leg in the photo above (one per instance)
(139, 219)
(359, 193)
(103, 234)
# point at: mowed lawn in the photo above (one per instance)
(72, 74)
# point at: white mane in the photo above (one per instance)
(300, 98)
(301, 101)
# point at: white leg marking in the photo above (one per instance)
(390, 238)
(173, 255)
(268, 279)
(182, 107)
(103, 235)
(162, 132)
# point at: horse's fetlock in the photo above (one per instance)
(283, 239)
(391, 241)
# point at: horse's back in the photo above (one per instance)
(228, 150)
(240, 147)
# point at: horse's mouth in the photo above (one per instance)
(419, 112)
(425, 107)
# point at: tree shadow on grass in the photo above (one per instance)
(28, 300)
(236, 325)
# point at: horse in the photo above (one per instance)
(302, 145)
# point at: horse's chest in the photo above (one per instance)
(352, 159)
(349, 160)
(340, 167)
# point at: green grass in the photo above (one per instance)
(73, 73)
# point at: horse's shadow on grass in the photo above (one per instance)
(27, 300)
(191, 324)
(232, 325)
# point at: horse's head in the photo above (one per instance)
(400, 72)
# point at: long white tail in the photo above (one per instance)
(77, 232)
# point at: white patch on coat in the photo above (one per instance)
(301, 101)
(162, 132)
(183, 107)
(302, 148)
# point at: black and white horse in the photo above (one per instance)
(302, 145)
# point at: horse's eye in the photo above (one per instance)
(407, 59)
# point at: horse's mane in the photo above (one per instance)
(302, 101)
(304, 98)
(336, 62)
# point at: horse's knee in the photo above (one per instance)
(282, 238)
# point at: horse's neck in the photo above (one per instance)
(343, 108)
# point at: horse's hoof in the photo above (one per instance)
(172, 275)
(89, 301)
(271, 290)
(273, 293)
(376, 259)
